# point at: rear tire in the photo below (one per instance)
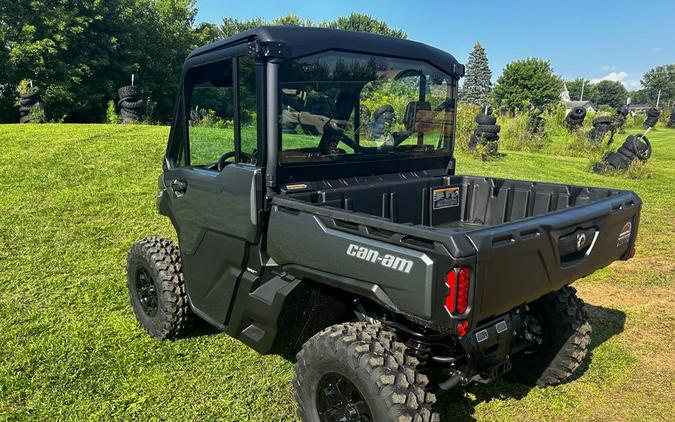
(370, 369)
(156, 287)
(566, 337)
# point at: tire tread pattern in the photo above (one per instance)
(164, 259)
(374, 352)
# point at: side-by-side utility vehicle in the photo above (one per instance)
(310, 177)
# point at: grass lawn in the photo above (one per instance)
(74, 198)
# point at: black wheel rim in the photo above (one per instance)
(146, 292)
(338, 400)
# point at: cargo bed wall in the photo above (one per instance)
(454, 202)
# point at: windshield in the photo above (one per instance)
(339, 106)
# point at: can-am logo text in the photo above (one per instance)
(386, 260)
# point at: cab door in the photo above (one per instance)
(212, 180)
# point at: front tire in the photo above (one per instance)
(565, 337)
(156, 287)
(359, 372)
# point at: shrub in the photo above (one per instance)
(111, 115)
(37, 114)
(466, 124)
(24, 87)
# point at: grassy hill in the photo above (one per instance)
(74, 197)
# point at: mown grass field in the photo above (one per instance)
(75, 197)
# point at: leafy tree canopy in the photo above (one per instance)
(79, 52)
(659, 78)
(611, 93)
(527, 82)
(574, 88)
(352, 22)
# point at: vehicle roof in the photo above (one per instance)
(303, 41)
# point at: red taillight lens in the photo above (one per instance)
(451, 282)
(457, 281)
(463, 289)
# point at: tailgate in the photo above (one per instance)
(521, 261)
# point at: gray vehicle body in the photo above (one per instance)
(271, 264)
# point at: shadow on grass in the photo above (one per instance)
(200, 328)
(459, 403)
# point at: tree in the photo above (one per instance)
(611, 93)
(352, 22)
(574, 88)
(527, 82)
(477, 84)
(79, 52)
(659, 78)
(364, 23)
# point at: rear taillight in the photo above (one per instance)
(458, 283)
(463, 290)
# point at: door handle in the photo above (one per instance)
(179, 187)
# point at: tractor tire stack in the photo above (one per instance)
(26, 102)
(652, 117)
(671, 122)
(575, 118)
(131, 103)
(601, 126)
(634, 147)
(486, 133)
(620, 119)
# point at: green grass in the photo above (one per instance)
(74, 197)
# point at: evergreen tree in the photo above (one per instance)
(477, 85)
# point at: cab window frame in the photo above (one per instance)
(179, 147)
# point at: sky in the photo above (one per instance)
(616, 40)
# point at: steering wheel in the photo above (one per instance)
(245, 158)
(331, 138)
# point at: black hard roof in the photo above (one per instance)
(302, 41)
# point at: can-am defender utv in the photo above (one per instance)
(310, 177)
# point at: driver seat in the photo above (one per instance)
(418, 117)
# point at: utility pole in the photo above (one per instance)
(658, 98)
(583, 84)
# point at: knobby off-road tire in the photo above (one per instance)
(156, 287)
(368, 358)
(567, 335)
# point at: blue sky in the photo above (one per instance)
(617, 40)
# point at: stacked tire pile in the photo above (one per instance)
(635, 147)
(620, 120)
(130, 103)
(486, 133)
(575, 118)
(601, 127)
(26, 102)
(652, 117)
(671, 122)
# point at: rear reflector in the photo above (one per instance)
(463, 328)
(458, 283)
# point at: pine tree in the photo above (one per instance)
(477, 85)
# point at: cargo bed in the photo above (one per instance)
(527, 238)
